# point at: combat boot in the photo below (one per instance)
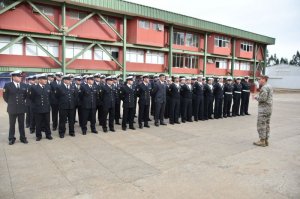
(261, 143)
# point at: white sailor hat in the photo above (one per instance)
(59, 74)
(145, 76)
(188, 78)
(90, 77)
(16, 73)
(129, 78)
(66, 77)
(102, 76)
(78, 77)
(41, 76)
(229, 78)
(50, 74)
(108, 78)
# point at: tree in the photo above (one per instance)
(284, 61)
(296, 59)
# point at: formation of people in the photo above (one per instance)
(92, 98)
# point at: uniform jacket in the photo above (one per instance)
(67, 97)
(40, 98)
(15, 98)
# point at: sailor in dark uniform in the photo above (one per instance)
(228, 92)
(159, 94)
(30, 82)
(14, 94)
(127, 95)
(174, 93)
(237, 91)
(144, 94)
(88, 96)
(67, 95)
(117, 86)
(97, 83)
(54, 101)
(77, 85)
(197, 98)
(40, 99)
(245, 96)
(208, 99)
(100, 101)
(187, 101)
(218, 94)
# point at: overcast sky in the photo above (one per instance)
(279, 19)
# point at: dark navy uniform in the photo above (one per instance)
(40, 99)
(88, 96)
(30, 121)
(245, 98)
(67, 97)
(99, 102)
(15, 96)
(118, 103)
(159, 95)
(54, 104)
(187, 102)
(144, 94)
(109, 102)
(78, 104)
(218, 94)
(208, 101)
(228, 92)
(237, 91)
(174, 92)
(127, 94)
(198, 101)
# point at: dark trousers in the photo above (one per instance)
(88, 115)
(167, 109)
(152, 106)
(174, 110)
(12, 123)
(42, 121)
(159, 111)
(201, 108)
(196, 103)
(64, 116)
(32, 120)
(236, 104)
(128, 115)
(218, 108)
(101, 114)
(187, 110)
(118, 112)
(143, 114)
(78, 109)
(111, 112)
(245, 103)
(208, 107)
(28, 116)
(227, 104)
(54, 109)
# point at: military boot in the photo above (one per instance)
(261, 142)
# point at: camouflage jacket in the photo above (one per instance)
(265, 99)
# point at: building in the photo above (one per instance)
(284, 76)
(114, 36)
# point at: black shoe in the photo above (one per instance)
(118, 123)
(38, 138)
(238, 115)
(83, 132)
(72, 134)
(94, 131)
(132, 128)
(248, 114)
(140, 126)
(27, 126)
(156, 124)
(123, 128)
(61, 136)
(172, 123)
(49, 137)
(112, 130)
(177, 122)
(54, 129)
(11, 142)
(190, 120)
(163, 123)
(104, 130)
(32, 131)
(147, 126)
(149, 120)
(24, 141)
(225, 116)
(183, 121)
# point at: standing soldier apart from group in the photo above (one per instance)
(186, 98)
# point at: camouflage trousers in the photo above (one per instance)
(263, 125)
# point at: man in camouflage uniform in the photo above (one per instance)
(265, 101)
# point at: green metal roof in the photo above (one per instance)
(133, 9)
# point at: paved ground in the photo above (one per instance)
(213, 159)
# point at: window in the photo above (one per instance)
(192, 40)
(144, 24)
(221, 63)
(221, 41)
(73, 49)
(246, 46)
(77, 15)
(99, 54)
(185, 61)
(5, 3)
(44, 9)
(178, 38)
(153, 57)
(245, 66)
(236, 65)
(136, 56)
(33, 50)
(16, 49)
(110, 20)
(158, 27)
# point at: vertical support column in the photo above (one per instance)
(265, 59)
(254, 66)
(232, 56)
(124, 45)
(205, 55)
(63, 61)
(171, 35)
